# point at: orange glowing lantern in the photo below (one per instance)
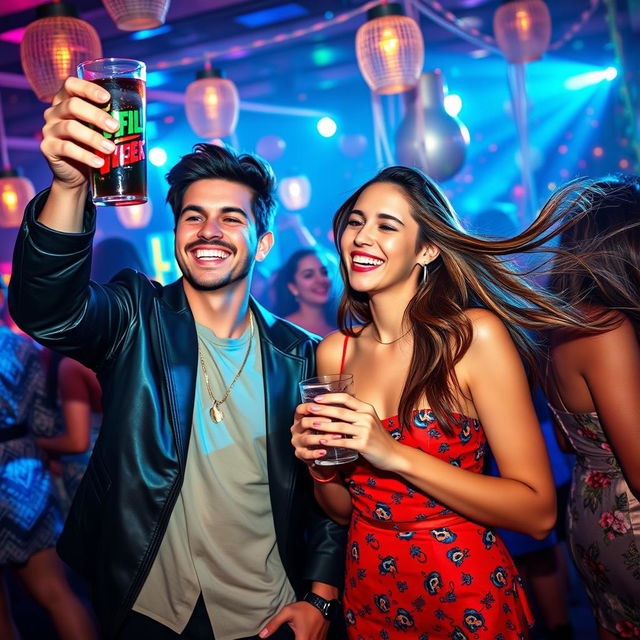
(15, 193)
(523, 30)
(54, 45)
(135, 216)
(212, 104)
(390, 50)
(133, 15)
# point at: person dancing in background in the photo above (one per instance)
(433, 328)
(80, 402)
(593, 385)
(30, 521)
(305, 291)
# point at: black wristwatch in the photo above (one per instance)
(330, 609)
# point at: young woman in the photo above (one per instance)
(433, 331)
(594, 386)
(305, 291)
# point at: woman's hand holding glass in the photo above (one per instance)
(340, 416)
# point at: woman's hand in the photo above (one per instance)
(336, 415)
(308, 445)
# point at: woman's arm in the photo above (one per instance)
(610, 365)
(75, 390)
(523, 497)
(329, 488)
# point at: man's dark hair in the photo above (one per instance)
(210, 161)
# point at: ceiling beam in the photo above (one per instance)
(18, 81)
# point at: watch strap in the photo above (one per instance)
(324, 606)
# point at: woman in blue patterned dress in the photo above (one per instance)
(594, 387)
(29, 518)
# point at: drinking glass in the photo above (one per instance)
(122, 179)
(338, 383)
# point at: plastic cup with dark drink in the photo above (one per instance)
(122, 179)
(338, 383)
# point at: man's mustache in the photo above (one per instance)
(218, 244)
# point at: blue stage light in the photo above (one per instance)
(266, 17)
(582, 80)
(156, 79)
(150, 33)
(327, 127)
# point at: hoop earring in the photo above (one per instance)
(424, 278)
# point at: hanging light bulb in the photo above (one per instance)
(523, 30)
(53, 46)
(295, 192)
(15, 193)
(428, 137)
(390, 50)
(212, 104)
(135, 216)
(133, 15)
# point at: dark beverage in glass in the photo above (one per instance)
(122, 179)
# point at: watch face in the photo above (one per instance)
(332, 610)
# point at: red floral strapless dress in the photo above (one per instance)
(415, 569)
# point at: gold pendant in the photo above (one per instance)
(216, 413)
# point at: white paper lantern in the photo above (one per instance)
(295, 192)
(54, 45)
(212, 104)
(523, 30)
(15, 193)
(390, 50)
(133, 15)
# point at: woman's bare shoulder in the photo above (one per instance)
(486, 324)
(331, 343)
(329, 353)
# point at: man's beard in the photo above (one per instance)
(238, 273)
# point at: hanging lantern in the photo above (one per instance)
(15, 193)
(54, 45)
(135, 216)
(271, 147)
(390, 50)
(212, 104)
(428, 137)
(523, 30)
(295, 192)
(133, 15)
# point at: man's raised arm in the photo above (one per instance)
(68, 144)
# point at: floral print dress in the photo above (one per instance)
(604, 526)
(417, 570)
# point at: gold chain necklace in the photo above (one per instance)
(215, 411)
(392, 341)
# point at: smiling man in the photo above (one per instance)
(194, 519)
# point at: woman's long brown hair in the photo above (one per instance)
(600, 261)
(470, 271)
